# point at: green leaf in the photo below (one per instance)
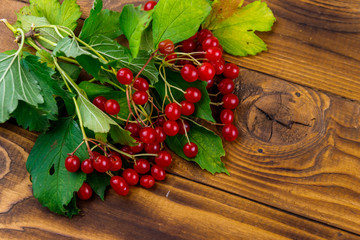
(209, 145)
(202, 108)
(133, 22)
(45, 57)
(178, 20)
(70, 48)
(65, 14)
(104, 22)
(147, 42)
(120, 57)
(98, 182)
(52, 184)
(18, 81)
(236, 32)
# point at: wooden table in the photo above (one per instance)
(295, 169)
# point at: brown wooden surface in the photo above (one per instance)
(295, 169)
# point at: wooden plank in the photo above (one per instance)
(175, 209)
(298, 150)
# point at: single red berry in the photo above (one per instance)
(173, 111)
(166, 47)
(230, 132)
(87, 166)
(115, 163)
(210, 42)
(219, 66)
(140, 97)
(126, 149)
(141, 84)
(213, 54)
(171, 58)
(231, 101)
(85, 192)
(94, 155)
(102, 164)
(112, 107)
(188, 46)
(147, 135)
(158, 173)
(183, 126)
(204, 34)
(226, 116)
(160, 121)
(226, 86)
(190, 150)
(149, 5)
(137, 148)
(192, 94)
(210, 83)
(163, 159)
(142, 166)
(187, 108)
(189, 73)
(100, 102)
(147, 181)
(206, 71)
(134, 128)
(160, 134)
(152, 147)
(119, 185)
(72, 163)
(125, 76)
(171, 128)
(130, 176)
(231, 71)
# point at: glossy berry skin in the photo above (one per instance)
(149, 5)
(147, 181)
(189, 73)
(210, 83)
(152, 147)
(166, 47)
(193, 94)
(164, 159)
(206, 71)
(137, 148)
(171, 58)
(227, 116)
(219, 66)
(160, 134)
(130, 176)
(134, 128)
(85, 192)
(72, 163)
(115, 163)
(226, 86)
(102, 164)
(183, 126)
(124, 76)
(87, 166)
(230, 132)
(126, 149)
(231, 101)
(142, 166)
(231, 71)
(112, 107)
(204, 34)
(173, 111)
(147, 135)
(158, 173)
(187, 108)
(188, 46)
(210, 42)
(100, 102)
(140, 97)
(213, 54)
(190, 150)
(94, 155)
(141, 84)
(119, 185)
(171, 128)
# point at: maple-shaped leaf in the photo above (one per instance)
(235, 26)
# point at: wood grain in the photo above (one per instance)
(176, 209)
